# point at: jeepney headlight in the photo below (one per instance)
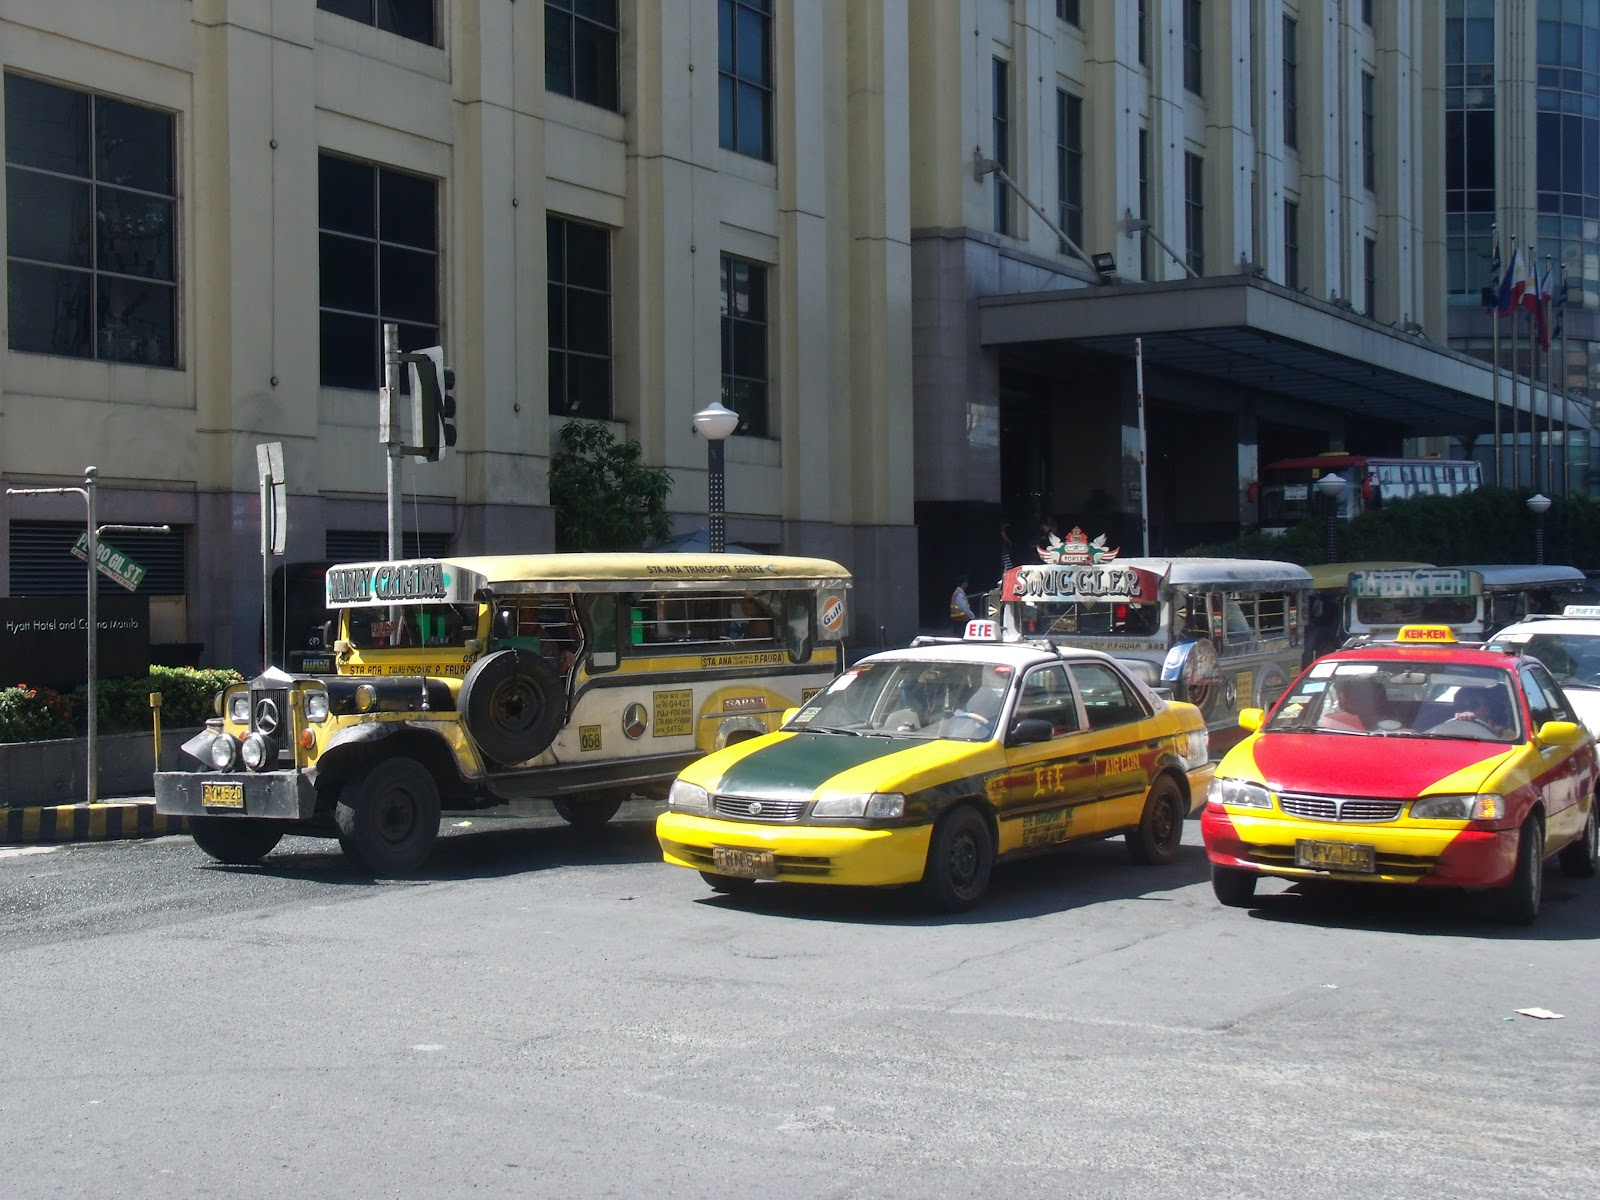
(259, 751)
(316, 706)
(1236, 793)
(1486, 806)
(366, 698)
(688, 797)
(239, 708)
(873, 805)
(223, 751)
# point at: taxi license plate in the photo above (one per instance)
(222, 795)
(744, 864)
(1335, 856)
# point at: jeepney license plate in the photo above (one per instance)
(1335, 856)
(744, 864)
(222, 795)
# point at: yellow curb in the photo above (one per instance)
(113, 821)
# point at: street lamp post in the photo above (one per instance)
(1331, 486)
(1538, 505)
(716, 423)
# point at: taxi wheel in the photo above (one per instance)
(388, 816)
(588, 815)
(1155, 842)
(960, 858)
(238, 843)
(728, 885)
(1233, 887)
(1519, 900)
(1579, 860)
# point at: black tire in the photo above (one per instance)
(1155, 843)
(588, 815)
(514, 704)
(728, 885)
(229, 840)
(960, 859)
(1518, 901)
(1234, 887)
(388, 816)
(1579, 860)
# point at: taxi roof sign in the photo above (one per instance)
(1581, 610)
(983, 629)
(1424, 635)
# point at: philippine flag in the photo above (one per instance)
(1513, 282)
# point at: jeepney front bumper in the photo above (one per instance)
(279, 795)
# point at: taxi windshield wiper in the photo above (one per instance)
(833, 729)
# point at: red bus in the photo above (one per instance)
(1289, 487)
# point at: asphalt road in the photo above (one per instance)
(543, 1015)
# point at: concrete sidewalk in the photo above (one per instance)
(109, 820)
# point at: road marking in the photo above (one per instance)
(19, 851)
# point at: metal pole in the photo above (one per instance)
(1550, 383)
(388, 401)
(1516, 436)
(92, 780)
(1566, 416)
(1538, 538)
(266, 573)
(1494, 357)
(717, 535)
(1144, 449)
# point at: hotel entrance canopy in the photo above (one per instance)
(1245, 332)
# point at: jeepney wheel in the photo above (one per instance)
(1518, 901)
(388, 816)
(727, 885)
(1155, 843)
(514, 704)
(1579, 860)
(1234, 887)
(232, 841)
(960, 858)
(588, 815)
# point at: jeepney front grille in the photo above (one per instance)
(1336, 808)
(749, 808)
(269, 713)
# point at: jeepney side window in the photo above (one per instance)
(600, 616)
(797, 625)
(1272, 614)
(1236, 617)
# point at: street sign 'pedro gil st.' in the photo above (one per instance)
(113, 562)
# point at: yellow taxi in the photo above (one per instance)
(1424, 761)
(928, 765)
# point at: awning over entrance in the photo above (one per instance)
(1247, 332)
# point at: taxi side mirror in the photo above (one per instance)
(1252, 718)
(1027, 730)
(1560, 733)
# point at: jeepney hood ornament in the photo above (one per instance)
(1076, 549)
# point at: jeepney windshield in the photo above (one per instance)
(1089, 618)
(411, 625)
(1409, 699)
(1415, 610)
(915, 700)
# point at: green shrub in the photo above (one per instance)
(35, 714)
(29, 714)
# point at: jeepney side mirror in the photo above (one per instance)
(1027, 730)
(341, 649)
(1252, 718)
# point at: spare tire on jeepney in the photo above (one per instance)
(514, 703)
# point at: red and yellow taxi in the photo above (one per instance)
(1421, 761)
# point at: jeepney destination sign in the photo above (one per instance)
(392, 583)
(1079, 583)
(1418, 583)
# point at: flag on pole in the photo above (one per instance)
(1512, 282)
(1541, 297)
(1492, 296)
(1558, 325)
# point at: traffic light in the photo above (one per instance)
(433, 408)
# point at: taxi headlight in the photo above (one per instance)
(239, 708)
(688, 797)
(258, 751)
(1236, 793)
(316, 706)
(1486, 806)
(223, 751)
(1198, 750)
(874, 805)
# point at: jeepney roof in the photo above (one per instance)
(1501, 576)
(1200, 571)
(1328, 576)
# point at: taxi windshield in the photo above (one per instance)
(917, 700)
(1573, 658)
(1402, 699)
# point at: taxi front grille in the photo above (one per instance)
(1335, 808)
(745, 808)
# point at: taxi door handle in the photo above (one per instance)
(1085, 758)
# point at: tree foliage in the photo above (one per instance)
(604, 495)
(1491, 525)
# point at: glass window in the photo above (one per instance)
(1067, 10)
(1144, 202)
(580, 50)
(744, 344)
(1002, 143)
(1291, 244)
(1143, 18)
(579, 318)
(1069, 165)
(1369, 280)
(413, 19)
(1194, 225)
(1107, 698)
(378, 262)
(1046, 695)
(1291, 84)
(1191, 46)
(744, 76)
(1555, 706)
(1369, 172)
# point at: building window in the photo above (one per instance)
(1194, 213)
(579, 295)
(414, 19)
(1067, 10)
(1143, 19)
(1069, 165)
(1366, 13)
(580, 50)
(744, 343)
(91, 226)
(1191, 46)
(1369, 270)
(744, 79)
(1002, 144)
(1144, 203)
(1291, 83)
(1291, 244)
(378, 263)
(1369, 170)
